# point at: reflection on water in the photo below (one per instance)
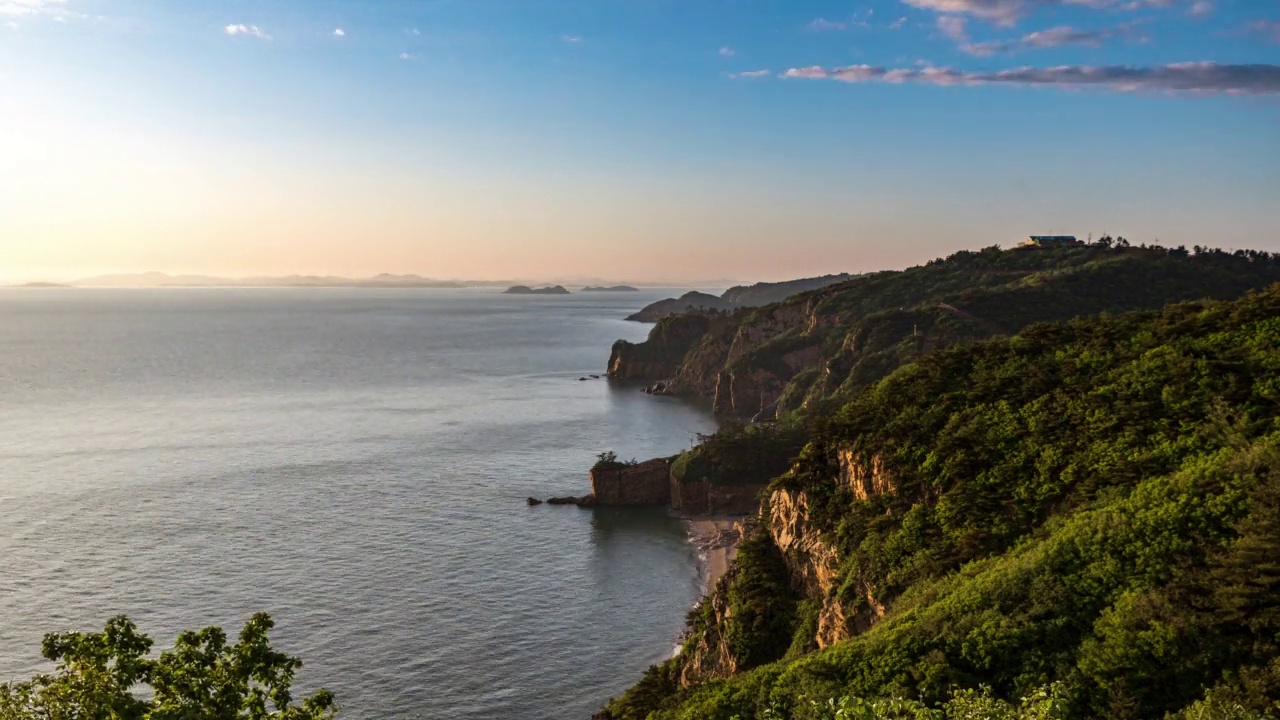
(353, 462)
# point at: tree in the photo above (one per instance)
(107, 675)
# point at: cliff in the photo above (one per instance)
(660, 356)
(1092, 507)
(645, 484)
(834, 341)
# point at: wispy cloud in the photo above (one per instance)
(1007, 12)
(572, 39)
(1193, 78)
(1202, 8)
(339, 32)
(247, 31)
(896, 24)
(408, 56)
(32, 7)
(823, 24)
(1051, 38)
(954, 27)
(727, 52)
(412, 31)
(749, 74)
(1270, 28)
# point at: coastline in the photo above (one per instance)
(716, 537)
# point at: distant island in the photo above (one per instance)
(742, 296)
(526, 290)
(614, 288)
(41, 285)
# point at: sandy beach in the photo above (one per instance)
(717, 541)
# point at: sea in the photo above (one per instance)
(354, 462)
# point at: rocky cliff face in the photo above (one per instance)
(710, 657)
(661, 356)
(812, 558)
(643, 485)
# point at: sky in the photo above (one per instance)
(647, 140)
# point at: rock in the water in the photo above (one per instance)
(585, 501)
(533, 501)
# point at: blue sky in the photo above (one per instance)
(629, 139)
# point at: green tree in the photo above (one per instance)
(109, 676)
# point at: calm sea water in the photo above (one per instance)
(354, 462)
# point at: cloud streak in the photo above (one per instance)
(1270, 28)
(247, 31)
(1007, 12)
(750, 74)
(1193, 78)
(823, 24)
(1051, 38)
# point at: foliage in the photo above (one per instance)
(109, 676)
(762, 608)
(1091, 507)
(608, 460)
(864, 329)
(739, 455)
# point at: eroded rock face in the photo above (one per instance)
(866, 479)
(643, 485)
(710, 657)
(661, 355)
(812, 560)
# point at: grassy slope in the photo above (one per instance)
(1078, 503)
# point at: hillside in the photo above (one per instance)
(737, 297)
(1086, 514)
(830, 342)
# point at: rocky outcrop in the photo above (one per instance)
(660, 356)
(647, 484)
(866, 479)
(812, 558)
(710, 657)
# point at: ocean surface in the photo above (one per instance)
(354, 462)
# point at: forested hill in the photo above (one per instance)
(832, 341)
(1085, 515)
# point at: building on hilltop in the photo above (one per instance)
(1043, 241)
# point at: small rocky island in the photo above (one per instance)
(526, 290)
(613, 288)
